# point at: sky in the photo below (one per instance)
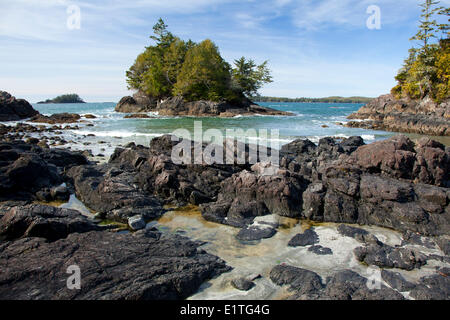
(315, 48)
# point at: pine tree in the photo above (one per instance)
(428, 24)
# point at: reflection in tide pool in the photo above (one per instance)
(258, 258)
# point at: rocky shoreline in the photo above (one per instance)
(398, 184)
(404, 115)
(177, 106)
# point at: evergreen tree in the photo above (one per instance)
(428, 24)
(249, 77)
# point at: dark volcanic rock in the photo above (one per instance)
(303, 281)
(57, 118)
(113, 193)
(385, 256)
(404, 115)
(26, 169)
(177, 106)
(397, 281)
(12, 109)
(348, 285)
(255, 233)
(309, 237)
(242, 284)
(112, 266)
(434, 287)
(321, 251)
(43, 221)
(350, 231)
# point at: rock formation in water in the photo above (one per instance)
(12, 109)
(404, 115)
(177, 106)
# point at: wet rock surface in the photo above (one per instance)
(396, 184)
(43, 221)
(113, 267)
(309, 237)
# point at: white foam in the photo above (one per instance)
(116, 133)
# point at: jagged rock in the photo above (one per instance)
(404, 115)
(43, 221)
(321, 251)
(113, 192)
(309, 237)
(303, 281)
(112, 267)
(397, 281)
(57, 118)
(349, 285)
(255, 233)
(12, 109)
(177, 106)
(434, 287)
(26, 169)
(385, 256)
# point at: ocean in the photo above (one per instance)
(312, 121)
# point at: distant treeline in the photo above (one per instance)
(310, 100)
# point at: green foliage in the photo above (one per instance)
(204, 74)
(426, 70)
(249, 77)
(195, 71)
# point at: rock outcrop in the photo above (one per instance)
(27, 169)
(12, 109)
(404, 115)
(112, 266)
(177, 106)
(44, 222)
(57, 118)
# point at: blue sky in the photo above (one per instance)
(315, 48)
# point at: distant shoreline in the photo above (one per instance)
(314, 100)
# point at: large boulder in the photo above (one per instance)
(113, 193)
(12, 109)
(26, 169)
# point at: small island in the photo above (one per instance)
(65, 98)
(175, 77)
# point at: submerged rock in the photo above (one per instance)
(242, 284)
(309, 237)
(255, 233)
(319, 250)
